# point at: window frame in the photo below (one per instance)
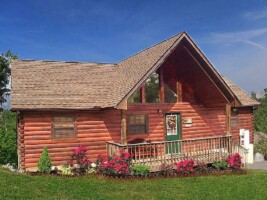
(64, 128)
(129, 125)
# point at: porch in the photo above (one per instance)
(154, 154)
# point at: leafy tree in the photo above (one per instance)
(5, 72)
(8, 142)
(152, 89)
(261, 116)
(152, 92)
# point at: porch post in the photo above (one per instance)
(123, 127)
(228, 118)
(143, 93)
(161, 86)
(179, 91)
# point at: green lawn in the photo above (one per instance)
(21, 186)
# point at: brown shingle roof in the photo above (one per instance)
(241, 95)
(75, 85)
(67, 85)
(61, 85)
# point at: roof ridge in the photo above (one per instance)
(151, 46)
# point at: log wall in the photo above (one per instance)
(95, 128)
(207, 122)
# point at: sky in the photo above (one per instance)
(232, 34)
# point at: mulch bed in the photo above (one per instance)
(156, 175)
(152, 175)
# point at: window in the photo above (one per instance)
(137, 124)
(234, 118)
(64, 127)
(170, 95)
(135, 98)
(152, 89)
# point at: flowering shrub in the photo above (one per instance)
(166, 169)
(201, 167)
(79, 161)
(235, 161)
(184, 167)
(114, 165)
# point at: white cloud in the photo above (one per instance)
(244, 66)
(256, 15)
(245, 37)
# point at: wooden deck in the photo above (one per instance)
(155, 154)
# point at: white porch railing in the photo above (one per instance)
(154, 154)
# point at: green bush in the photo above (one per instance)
(8, 138)
(142, 170)
(44, 164)
(261, 146)
(260, 117)
(220, 164)
(66, 170)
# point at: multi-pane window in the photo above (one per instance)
(138, 124)
(64, 127)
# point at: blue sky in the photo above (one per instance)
(232, 34)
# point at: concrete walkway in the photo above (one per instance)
(258, 165)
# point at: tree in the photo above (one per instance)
(44, 164)
(8, 142)
(261, 116)
(152, 89)
(5, 72)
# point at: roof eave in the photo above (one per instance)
(59, 109)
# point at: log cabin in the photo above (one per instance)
(163, 104)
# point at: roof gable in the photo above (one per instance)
(137, 68)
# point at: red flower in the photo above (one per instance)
(185, 167)
(235, 161)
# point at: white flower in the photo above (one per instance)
(93, 165)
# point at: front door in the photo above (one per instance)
(173, 132)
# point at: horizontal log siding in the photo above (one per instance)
(207, 122)
(93, 130)
(245, 121)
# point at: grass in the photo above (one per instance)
(21, 186)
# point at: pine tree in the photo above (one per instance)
(44, 164)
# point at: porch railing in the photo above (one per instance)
(201, 150)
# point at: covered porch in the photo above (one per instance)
(154, 154)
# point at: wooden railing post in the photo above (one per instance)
(228, 119)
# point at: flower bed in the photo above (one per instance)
(121, 167)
